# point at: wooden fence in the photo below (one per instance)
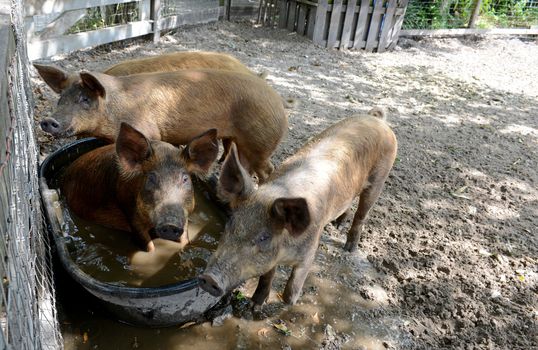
(48, 20)
(352, 24)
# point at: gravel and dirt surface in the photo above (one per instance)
(449, 256)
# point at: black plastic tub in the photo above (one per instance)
(168, 305)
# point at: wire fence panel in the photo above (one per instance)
(107, 16)
(27, 302)
(182, 7)
(447, 14)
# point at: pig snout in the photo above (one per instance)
(210, 285)
(50, 125)
(168, 231)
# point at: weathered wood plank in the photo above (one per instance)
(260, 11)
(271, 13)
(468, 31)
(156, 18)
(145, 10)
(301, 19)
(306, 2)
(319, 28)
(310, 22)
(387, 26)
(198, 17)
(57, 6)
(362, 25)
(375, 24)
(68, 43)
(292, 13)
(334, 24)
(348, 22)
(394, 35)
(59, 26)
(282, 13)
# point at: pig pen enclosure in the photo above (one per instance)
(448, 257)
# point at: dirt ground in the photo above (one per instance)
(449, 256)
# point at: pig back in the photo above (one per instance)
(178, 60)
(334, 166)
(183, 104)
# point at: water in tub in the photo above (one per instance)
(111, 256)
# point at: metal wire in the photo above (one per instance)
(27, 301)
(181, 7)
(107, 16)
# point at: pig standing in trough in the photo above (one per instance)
(59, 79)
(175, 107)
(139, 185)
(281, 222)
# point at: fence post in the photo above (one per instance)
(321, 17)
(156, 17)
(227, 9)
(474, 15)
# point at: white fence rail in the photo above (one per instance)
(48, 21)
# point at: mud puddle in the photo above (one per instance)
(317, 321)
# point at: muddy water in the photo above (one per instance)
(87, 326)
(317, 321)
(111, 256)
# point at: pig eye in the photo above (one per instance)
(263, 241)
(151, 181)
(185, 178)
(84, 101)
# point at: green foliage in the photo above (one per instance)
(441, 14)
(106, 16)
(507, 13)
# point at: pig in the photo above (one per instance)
(281, 221)
(175, 107)
(59, 79)
(138, 185)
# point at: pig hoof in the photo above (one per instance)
(150, 247)
(350, 247)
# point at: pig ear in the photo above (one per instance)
(291, 214)
(235, 184)
(56, 78)
(201, 152)
(92, 82)
(132, 148)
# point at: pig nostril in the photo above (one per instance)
(44, 124)
(170, 232)
(54, 124)
(209, 285)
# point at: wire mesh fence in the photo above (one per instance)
(27, 304)
(446, 14)
(117, 14)
(180, 7)
(107, 16)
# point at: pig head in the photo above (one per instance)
(140, 185)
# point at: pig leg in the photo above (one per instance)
(296, 281)
(264, 287)
(339, 221)
(367, 199)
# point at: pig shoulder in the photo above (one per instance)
(89, 186)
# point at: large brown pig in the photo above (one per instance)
(139, 185)
(281, 222)
(59, 79)
(175, 107)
